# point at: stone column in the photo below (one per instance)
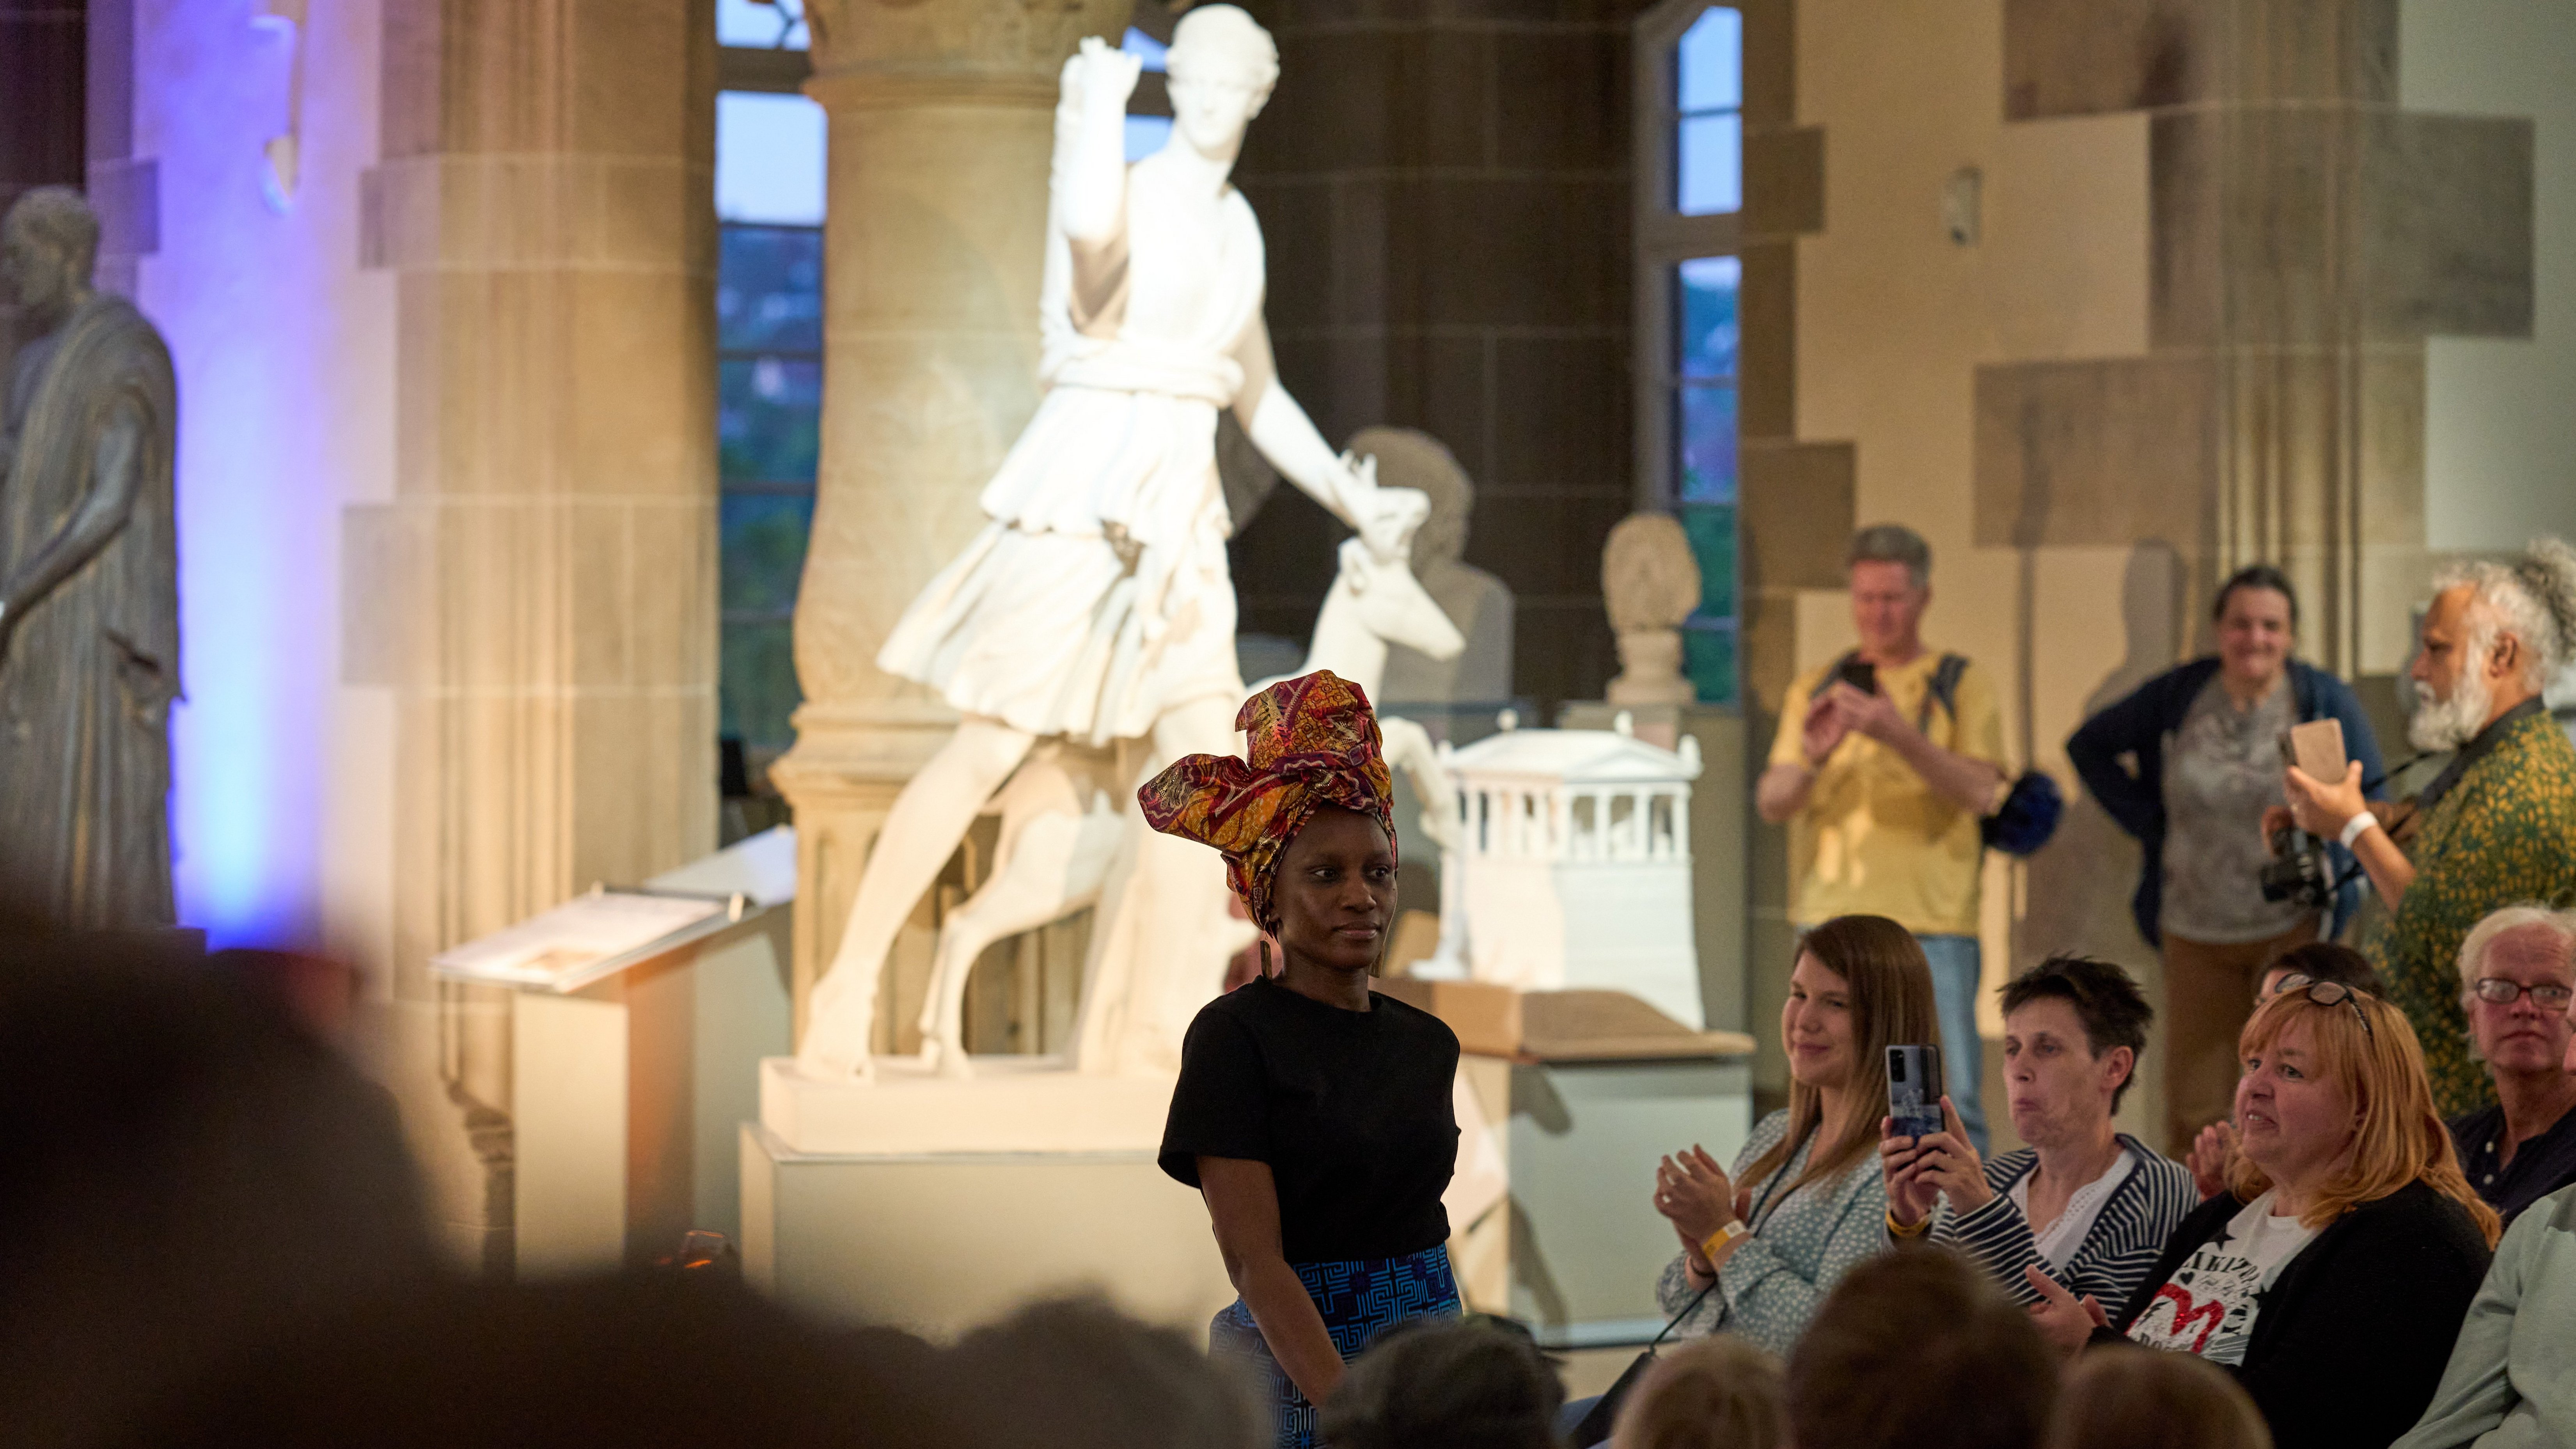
(2306, 237)
(942, 122)
(539, 595)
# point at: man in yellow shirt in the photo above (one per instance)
(1885, 761)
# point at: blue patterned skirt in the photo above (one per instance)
(1359, 1300)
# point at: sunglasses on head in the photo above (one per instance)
(2327, 993)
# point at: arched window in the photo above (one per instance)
(1690, 193)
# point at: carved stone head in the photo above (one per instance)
(1411, 458)
(48, 250)
(1221, 66)
(1649, 578)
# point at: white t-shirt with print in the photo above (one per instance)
(2209, 1305)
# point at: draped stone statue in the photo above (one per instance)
(1095, 605)
(89, 586)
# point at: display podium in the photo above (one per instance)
(639, 1018)
(938, 1204)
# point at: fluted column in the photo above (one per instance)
(942, 118)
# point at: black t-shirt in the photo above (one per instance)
(1351, 1109)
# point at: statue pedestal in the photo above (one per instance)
(938, 1204)
(941, 1242)
(1011, 1104)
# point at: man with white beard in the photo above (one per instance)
(2496, 827)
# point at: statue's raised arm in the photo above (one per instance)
(1090, 182)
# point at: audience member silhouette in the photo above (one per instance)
(1721, 1392)
(2138, 1400)
(1918, 1349)
(1446, 1384)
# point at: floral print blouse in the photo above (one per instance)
(1802, 1244)
(2504, 834)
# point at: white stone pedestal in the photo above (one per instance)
(940, 1242)
(1011, 1104)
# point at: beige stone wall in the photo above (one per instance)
(2190, 334)
(2499, 438)
(528, 591)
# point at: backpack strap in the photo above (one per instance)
(1943, 690)
(1825, 681)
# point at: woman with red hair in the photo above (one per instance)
(2332, 1275)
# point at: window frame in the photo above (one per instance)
(1666, 238)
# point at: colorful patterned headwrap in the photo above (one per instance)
(1313, 741)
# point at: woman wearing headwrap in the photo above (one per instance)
(1313, 1115)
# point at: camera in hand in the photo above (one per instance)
(2297, 870)
(1914, 1091)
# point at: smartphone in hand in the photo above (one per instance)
(1914, 1091)
(1860, 674)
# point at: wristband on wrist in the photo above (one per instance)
(1900, 1230)
(1710, 1245)
(2357, 827)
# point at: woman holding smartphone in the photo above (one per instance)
(1765, 1240)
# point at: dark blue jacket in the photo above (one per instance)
(2140, 725)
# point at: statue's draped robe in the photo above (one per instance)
(1098, 597)
(92, 667)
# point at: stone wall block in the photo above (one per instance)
(2447, 225)
(649, 755)
(1767, 341)
(2391, 512)
(613, 41)
(2089, 57)
(671, 606)
(1552, 544)
(1513, 251)
(1795, 512)
(601, 583)
(1549, 91)
(1301, 278)
(1559, 411)
(2096, 453)
(2240, 250)
(502, 602)
(635, 431)
(1562, 648)
(384, 635)
(1784, 182)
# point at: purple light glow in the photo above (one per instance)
(257, 309)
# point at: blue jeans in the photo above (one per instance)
(1956, 966)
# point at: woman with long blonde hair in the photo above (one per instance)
(2332, 1275)
(1764, 1242)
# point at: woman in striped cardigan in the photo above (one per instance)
(2085, 1204)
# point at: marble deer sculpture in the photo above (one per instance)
(1062, 810)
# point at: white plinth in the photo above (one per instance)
(1011, 1104)
(941, 1242)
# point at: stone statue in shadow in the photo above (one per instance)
(89, 586)
(1475, 601)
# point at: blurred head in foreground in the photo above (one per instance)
(2123, 1398)
(1446, 1384)
(183, 1170)
(1919, 1350)
(1078, 1374)
(1721, 1392)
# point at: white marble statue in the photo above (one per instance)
(1095, 605)
(1064, 812)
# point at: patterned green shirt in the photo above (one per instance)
(2504, 834)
